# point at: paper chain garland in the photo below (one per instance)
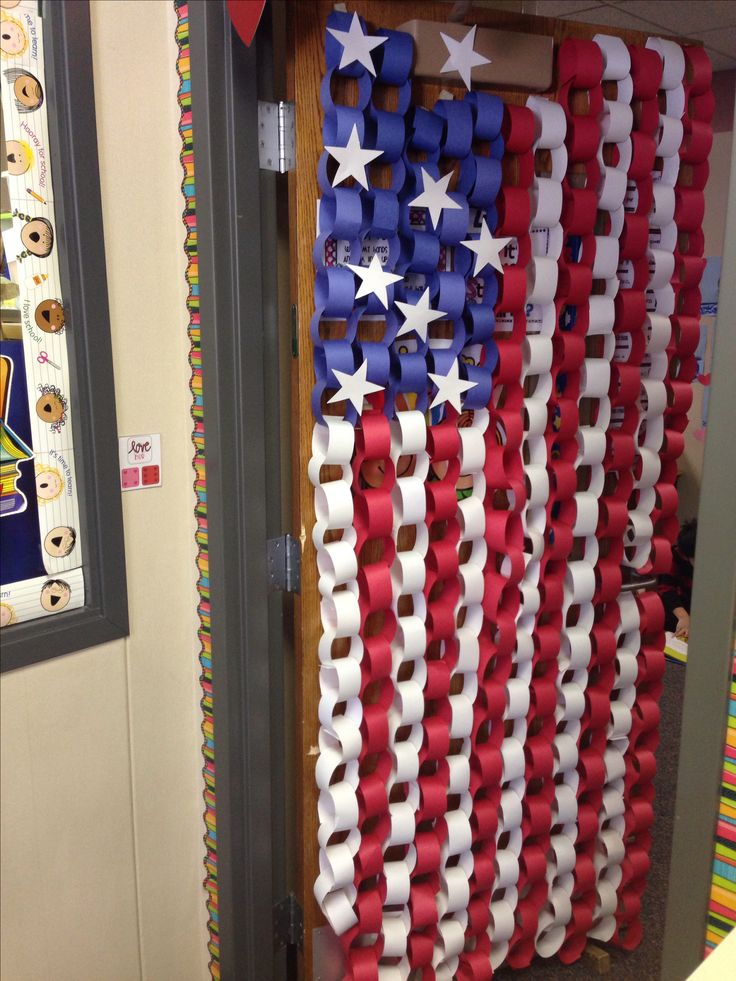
(502, 362)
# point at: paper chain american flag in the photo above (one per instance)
(506, 314)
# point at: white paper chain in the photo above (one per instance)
(408, 440)
(660, 301)
(616, 129)
(456, 856)
(340, 740)
(542, 272)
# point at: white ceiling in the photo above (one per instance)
(711, 21)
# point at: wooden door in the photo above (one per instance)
(305, 69)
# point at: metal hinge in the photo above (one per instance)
(288, 923)
(294, 331)
(276, 136)
(284, 563)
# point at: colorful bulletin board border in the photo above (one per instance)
(200, 486)
(722, 904)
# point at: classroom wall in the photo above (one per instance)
(690, 464)
(101, 783)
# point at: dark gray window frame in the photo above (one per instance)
(236, 227)
(79, 231)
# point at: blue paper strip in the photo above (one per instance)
(379, 221)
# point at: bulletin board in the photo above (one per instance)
(477, 728)
(41, 535)
(61, 528)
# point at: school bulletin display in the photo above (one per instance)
(503, 346)
(39, 513)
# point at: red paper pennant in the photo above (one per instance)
(246, 15)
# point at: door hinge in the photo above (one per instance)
(276, 136)
(288, 923)
(284, 563)
(294, 332)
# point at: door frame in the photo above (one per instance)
(710, 666)
(236, 222)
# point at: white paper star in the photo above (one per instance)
(418, 315)
(374, 280)
(354, 387)
(352, 159)
(356, 46)
(462, 56)
(434, 197)
(450, 387)
(487, 249)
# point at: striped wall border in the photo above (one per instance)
(722, 903)
(189, 218)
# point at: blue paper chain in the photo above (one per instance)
(411, 139)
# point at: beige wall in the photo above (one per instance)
(101, 795)
(690, 464)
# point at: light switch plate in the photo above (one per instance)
(140, 461)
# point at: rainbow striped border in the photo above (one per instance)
(189, 218)
(722, 902)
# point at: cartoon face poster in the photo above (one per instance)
(40, 549)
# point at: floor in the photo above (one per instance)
(642, 964)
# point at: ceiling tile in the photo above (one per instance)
(613, 17)
(557, 8)
(721, 62)
(722, 39)
(682, 18)
(515, 6)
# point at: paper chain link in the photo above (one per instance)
(488, 712)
